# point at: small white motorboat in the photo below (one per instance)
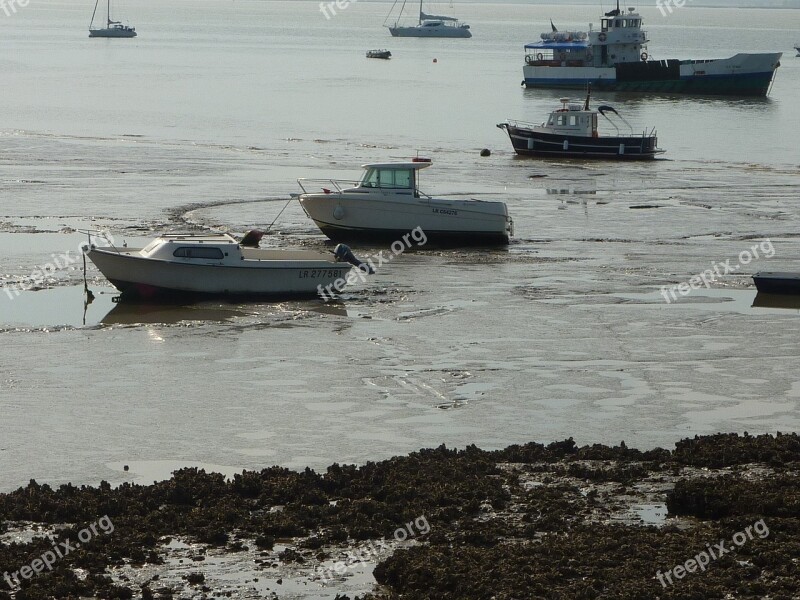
(216, 264)
(387, 204)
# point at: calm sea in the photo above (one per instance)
(210, 115)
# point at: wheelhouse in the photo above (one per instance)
(398, 178)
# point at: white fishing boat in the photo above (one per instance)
(386, 204)
(113, 29)
(216, 264)
(435, 26)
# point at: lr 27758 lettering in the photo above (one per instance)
(315, 273)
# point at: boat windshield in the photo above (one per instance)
(388, 178)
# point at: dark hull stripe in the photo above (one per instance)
(751, 84)
(435, 238)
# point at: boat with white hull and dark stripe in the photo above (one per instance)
(615, 58)
(572, 132)
(387, 204)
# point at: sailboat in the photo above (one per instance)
(428, 26)
(113, 29)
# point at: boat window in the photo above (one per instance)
(618, 23)
(604, 24)
(573, 120)
(562, 119)
(198, 252)
(370, 178)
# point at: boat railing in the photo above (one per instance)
(98, 234)
(338, 185)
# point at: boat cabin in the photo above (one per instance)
(398, 178)
(572, 119)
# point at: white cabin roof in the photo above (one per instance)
(400, 166)
(216, 238)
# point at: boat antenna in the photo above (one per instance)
(588, 95)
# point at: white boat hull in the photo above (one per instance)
(346, 217)
(445, 31)
(282, 273)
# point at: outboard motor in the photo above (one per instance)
(344, 254)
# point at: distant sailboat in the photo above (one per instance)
(428, 26)
(113, 29)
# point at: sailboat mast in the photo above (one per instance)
(420, 12)
(108, 12)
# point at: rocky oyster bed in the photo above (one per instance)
(716, 517)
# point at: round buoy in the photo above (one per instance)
(435, 60)
(126, 467)
(486, 152)
(338, 212)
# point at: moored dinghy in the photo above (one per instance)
(387, 204)
(215, 264)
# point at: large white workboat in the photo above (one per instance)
(615, 58)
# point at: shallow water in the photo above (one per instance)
(564, 333)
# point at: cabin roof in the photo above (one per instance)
(399, 166)
(216, 238)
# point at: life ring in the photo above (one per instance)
(562, 55)
(539, 56)
(644, 56)
(602, 37)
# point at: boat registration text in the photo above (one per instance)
(315, 273)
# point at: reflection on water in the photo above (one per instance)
(65, 306)
(54, 307)
(787, 301)
(131, 313)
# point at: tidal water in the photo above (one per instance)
(211, 114)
